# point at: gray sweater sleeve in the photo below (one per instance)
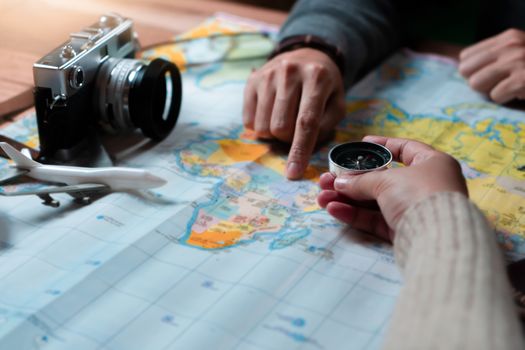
(365, 30)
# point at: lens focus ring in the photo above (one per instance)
(114, 83)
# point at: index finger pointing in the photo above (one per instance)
(249, 104)
(311, 109)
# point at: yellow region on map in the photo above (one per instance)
(177, 54)
(223, 41)
(493, 149)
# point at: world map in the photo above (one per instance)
(229, 254)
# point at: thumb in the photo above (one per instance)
(361, 187)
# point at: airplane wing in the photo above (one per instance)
(9, 174)
(77, 191)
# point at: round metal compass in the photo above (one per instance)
(358, 157)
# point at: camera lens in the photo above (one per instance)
(155, 98)
(132, 94)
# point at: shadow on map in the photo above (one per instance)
(5, 236)
(154, 198)
(363, 238)
(125, 146)
(69, 205)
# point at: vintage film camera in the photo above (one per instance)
(92, 82)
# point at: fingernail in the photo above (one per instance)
(294, 170)
(341, 182)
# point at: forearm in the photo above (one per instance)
(364, 30)
(456, 294)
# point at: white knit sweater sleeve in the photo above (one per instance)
(456, 294)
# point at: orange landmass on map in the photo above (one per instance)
(234, 151)
(227, 233)
(173, 54)
(207, 29)
(222, 235)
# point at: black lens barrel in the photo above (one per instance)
(147, 99)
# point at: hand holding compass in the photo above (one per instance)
(426, 171)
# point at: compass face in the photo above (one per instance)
(356, 157)
(360, 160)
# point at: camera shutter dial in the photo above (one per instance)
(76, 77)
(111, 20)
(68, 52)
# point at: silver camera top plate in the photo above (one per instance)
(74, 64)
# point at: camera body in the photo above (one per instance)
(91, 82)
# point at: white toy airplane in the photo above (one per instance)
(81, 183)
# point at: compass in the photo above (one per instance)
(358, 157)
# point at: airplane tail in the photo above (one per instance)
(21, 160)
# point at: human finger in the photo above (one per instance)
(362, 187)
(370, 221)
(510, 37)
(326, 196)
(265, 101)
(481, 46)
(326, 181)
(249, 103)
(286, 105)
(403, 150)
(509, 89)
(488, 77)
(306, 133)
(472, 64)
(334, 113)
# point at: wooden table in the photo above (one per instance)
(31, 28)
